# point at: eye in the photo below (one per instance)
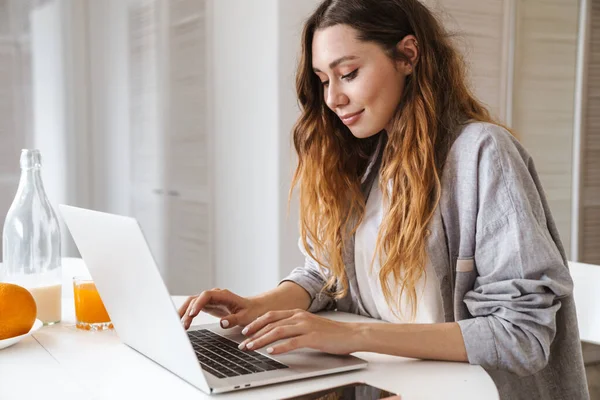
(351, 75)
(347, 77)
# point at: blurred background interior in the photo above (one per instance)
(178, 112)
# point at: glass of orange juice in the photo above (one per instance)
(90, 312)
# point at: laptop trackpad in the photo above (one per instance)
(301, 360)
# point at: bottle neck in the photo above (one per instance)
(30, 159)
(31, 176)
(31, 181)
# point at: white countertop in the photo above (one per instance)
(62, 362)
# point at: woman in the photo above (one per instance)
(416, 208)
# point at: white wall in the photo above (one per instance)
(48, 97)
(75, 46)
(48, 79)
(109, 108)
(292, 15)
(253, 64)
(244, 65)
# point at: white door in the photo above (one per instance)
(170, 155)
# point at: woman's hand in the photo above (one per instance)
(231, 308)
(302, 329)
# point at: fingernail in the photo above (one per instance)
(245, 330)
(192, 311)
(249, 345)
(241, 346)
(270, 350)
(224, 323)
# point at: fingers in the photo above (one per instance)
(196, 304)
(185, 306)
(275, 334)
(266, 329)
(268, 318)
(199, 302)
(294, 343)
(187, 317)
(231, 320)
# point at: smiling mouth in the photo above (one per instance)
(349, 119)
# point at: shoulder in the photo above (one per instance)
(476, 137)
(479, 146)
(487, 167)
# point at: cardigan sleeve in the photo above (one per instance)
(522, 272)
(312, 279)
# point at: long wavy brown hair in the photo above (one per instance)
(436, 101)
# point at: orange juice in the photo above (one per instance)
(89, 309)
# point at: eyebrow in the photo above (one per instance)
(337, 62)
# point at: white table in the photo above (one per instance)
(61, 362)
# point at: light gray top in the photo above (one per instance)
(501, 268)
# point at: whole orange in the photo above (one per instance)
(17, 310)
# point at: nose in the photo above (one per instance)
(335, 97)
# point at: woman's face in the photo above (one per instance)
(361, 84)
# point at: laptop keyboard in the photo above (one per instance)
(222, 357)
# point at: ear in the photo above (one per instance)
(410, 48)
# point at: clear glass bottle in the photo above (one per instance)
(31, 241)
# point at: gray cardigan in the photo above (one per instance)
(501, 266)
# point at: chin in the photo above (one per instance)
(362, 133)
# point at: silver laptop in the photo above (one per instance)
(115, 251)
